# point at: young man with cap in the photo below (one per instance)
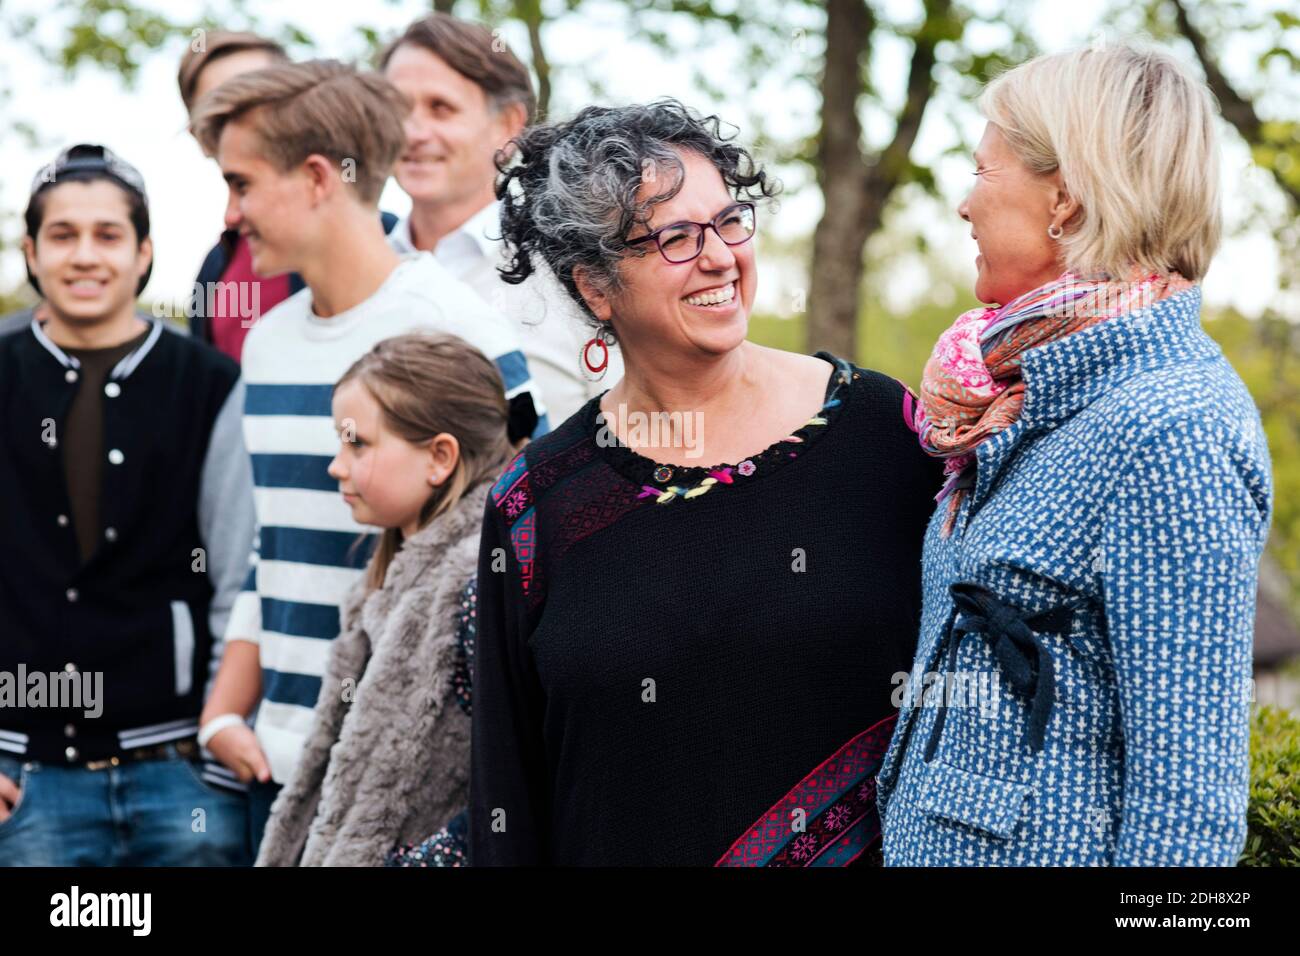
(127, 520)
(470, 97)
(306, 149)
(229, 296)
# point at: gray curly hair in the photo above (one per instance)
(569, 190)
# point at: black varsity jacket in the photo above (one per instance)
(144, 616)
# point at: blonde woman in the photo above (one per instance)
(1093, 559)
(422, 428)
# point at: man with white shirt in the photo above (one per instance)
(470, 97)
(306, 149)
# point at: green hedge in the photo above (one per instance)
(1273, 838)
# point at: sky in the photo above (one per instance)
(146, 126)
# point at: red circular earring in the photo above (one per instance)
(597, 339)
(604, 355)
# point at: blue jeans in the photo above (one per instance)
(152, 813)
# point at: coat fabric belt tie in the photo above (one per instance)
(1024, 660)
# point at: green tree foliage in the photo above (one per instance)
(118, 35)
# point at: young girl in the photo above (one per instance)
(422, 426)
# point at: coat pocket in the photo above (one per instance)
(985, 803)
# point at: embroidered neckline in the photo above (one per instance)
(664, 483)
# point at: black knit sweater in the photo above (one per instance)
(659, 666)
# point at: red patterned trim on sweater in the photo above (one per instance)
(838, 800)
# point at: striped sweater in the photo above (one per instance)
(309, 551)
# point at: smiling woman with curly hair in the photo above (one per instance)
(695, 593)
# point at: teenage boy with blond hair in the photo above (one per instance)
(306, 149)
(229, 297)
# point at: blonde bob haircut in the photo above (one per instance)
(1133, 134)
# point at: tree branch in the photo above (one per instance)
(849, 24)
(856, 187)
(836, 269)
(1237, 109)
(530, 11)
(884, 175)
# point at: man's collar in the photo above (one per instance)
(400, 237)
(483, 229)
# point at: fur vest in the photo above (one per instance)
(392, 765)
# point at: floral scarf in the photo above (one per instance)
(972, 389)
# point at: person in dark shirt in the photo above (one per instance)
(129, 517)
(696, 595)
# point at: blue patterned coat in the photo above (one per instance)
(1132, 499)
